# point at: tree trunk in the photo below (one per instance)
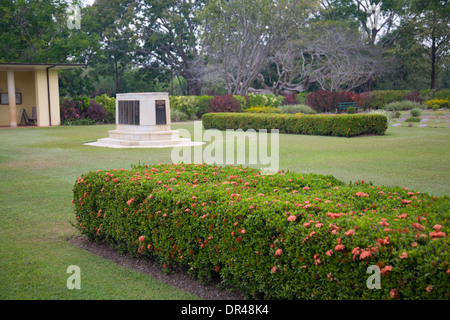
(181, 85)
(433, 63)
(117, 77)
(194, 86)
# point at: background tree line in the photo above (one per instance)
(193, 47)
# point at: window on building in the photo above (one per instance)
(4, 98)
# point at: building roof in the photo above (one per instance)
(36, 66)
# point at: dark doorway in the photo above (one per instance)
(160, 106)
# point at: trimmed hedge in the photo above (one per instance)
(341, 125)
(284, 236)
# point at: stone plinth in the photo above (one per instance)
(143, 120)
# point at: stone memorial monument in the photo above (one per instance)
(143, 120)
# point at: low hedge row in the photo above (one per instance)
(282, 236)
(343, 125)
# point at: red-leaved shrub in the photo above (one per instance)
(69, 110)
(362, 99)
(290, 98)
(413, 96)
(96, 112)
(326, 101)
(225, 103)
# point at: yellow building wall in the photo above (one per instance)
(54, 97)
(24, 82)
(42, 97)
(40, 81)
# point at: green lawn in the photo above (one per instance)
(433, 119)
(38, 167)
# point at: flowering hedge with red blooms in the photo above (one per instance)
(342, 125)
(281, 236)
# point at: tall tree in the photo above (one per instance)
(115, 24)
(36, 31)
(376, 18)
(343, 60)
(240, 35)
(432, 22)
(170, 32)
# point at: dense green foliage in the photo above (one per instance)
(413, 119)
(440, 103)
(109, 103)
(326, 125)
(297, 108)
(195, 47)
(282, 236)
(403, 105)
(85, 111)
(185, 104)
(262, 109)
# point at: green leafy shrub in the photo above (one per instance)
(441, 103)
(443, 94)
(403, 105)
(388, 114)
(242, 102)
(351, 110)
(396, 115)
(82, 102)
(301, 97)
(297, 108)
(178, 115)
(185, 104)
(109, 103)
(266, 100)
(415, 112)
(283, 236)
(428, 94)
(261, 109)
(203, 105)
(379, 99)
(413, 119)
(342, 125)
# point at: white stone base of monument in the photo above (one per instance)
(153, 139)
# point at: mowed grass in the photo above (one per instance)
(38, 167)
(430, 118)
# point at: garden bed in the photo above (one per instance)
(282, 236)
